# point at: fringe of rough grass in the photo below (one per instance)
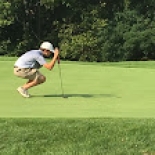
(100, 136)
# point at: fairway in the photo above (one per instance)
(124, 89)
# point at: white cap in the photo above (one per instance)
(48, 46)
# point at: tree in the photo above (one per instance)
(79, 41)
(6, 16)
(6, 19)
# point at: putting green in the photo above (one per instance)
(93, 90)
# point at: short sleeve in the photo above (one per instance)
(41, 60)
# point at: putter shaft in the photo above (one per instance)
(62, 90)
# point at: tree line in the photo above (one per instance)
(84, 30)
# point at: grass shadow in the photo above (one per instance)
(76, 95)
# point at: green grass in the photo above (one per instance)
(93, 90)
(109, 110)
(81, 136)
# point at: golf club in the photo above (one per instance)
(62, 90)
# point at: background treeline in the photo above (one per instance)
(85, 30)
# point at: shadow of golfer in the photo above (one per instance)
(79, 95)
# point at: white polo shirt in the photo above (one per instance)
(31, 59)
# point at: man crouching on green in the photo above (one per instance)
(27, 66)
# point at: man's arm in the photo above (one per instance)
(50, 65)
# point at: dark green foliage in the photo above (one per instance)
(80, 41)
(140, 40)
(96, 30)
(130, 36)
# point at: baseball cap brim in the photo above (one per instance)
(52, 51)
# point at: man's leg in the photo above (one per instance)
(31, 83)
(35, 78)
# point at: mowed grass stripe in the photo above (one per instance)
(93, 90)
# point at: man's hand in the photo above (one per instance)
(50, 65)
(56, 52)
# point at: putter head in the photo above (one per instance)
(64, 96)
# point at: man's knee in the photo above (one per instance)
(41, 79)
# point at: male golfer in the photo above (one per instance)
(27, 66)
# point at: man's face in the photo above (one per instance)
(46, 53)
